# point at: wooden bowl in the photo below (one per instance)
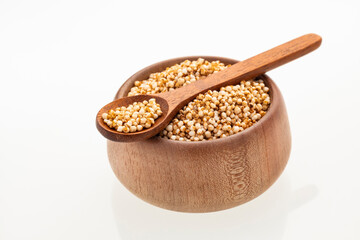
(209, 175)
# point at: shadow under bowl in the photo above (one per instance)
(210, 175)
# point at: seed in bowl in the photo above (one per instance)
(218, 114)
(176, 76)
(214, 114)
(133, 118)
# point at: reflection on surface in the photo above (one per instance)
(262, 218)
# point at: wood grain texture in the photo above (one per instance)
(208, 175)
(171, 102)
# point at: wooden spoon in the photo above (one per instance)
(171, 102)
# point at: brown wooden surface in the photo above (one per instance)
(208, 175)
(172, 102)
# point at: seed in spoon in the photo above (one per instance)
(133, 118)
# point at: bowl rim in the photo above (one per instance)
(275, 97)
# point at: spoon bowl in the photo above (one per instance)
(112, 134)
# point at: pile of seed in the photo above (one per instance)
(176, 76)
(134, 117)
(218, 114)
(214, 114)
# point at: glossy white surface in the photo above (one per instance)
(60, 61)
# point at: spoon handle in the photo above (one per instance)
(247, 69)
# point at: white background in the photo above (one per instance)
(60, 61)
